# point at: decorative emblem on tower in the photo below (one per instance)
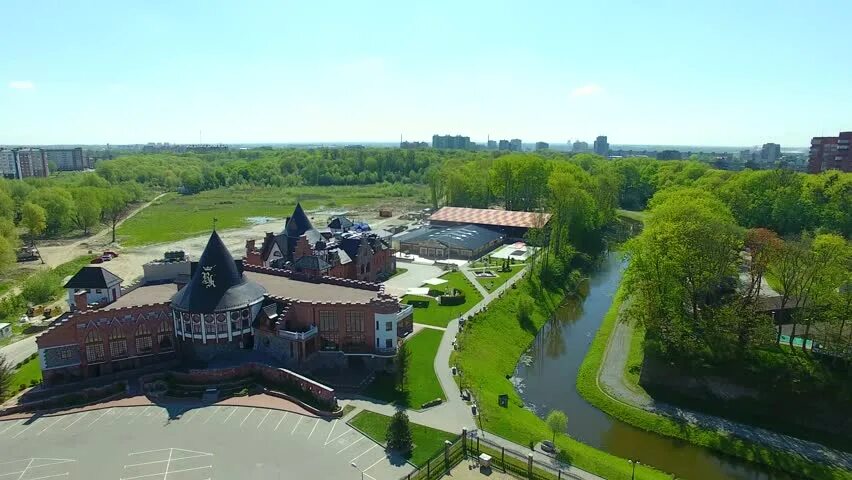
(207, 276)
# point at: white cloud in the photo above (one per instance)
(587, 90)
(21, 85)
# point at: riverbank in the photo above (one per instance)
(589, 386)
(489, 348)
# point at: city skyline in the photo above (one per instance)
(657, 74)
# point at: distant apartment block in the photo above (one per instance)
(492, 145)
(412, 145)
(67, 158)
(9, 164)
(580, 147)
(456, 142)
(31, 162)
(770, 153)
(746, 156)
(515, 145)
(830, 153)
(504, 145)
(541, 146)
(601, 146)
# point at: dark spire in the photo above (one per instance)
(298, 223)
(216, 283)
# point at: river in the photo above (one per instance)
(546, 379)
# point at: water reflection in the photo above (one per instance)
(545, 378)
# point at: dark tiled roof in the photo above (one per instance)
(311, 262)
(217, 283)
(340, 223)
(92, 277)
(468, 237)
(298, 223)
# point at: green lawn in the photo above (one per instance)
(490, 346)
(632, 214)
(428, 442)
(773, 282)
(175, 216)
(588, 387)
(440, 315)
(398, 271)
(422, 385)
(29, 371)
(491, 284)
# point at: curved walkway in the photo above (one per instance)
(611, 381)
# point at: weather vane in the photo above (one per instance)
(214, 223)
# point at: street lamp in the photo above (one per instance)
(355, 466)
(632, 463)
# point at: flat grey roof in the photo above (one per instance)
(145, 295)
(310, 292)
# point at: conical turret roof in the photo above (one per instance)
(298, 223)
(216, 285)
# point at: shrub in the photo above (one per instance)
(399, 433)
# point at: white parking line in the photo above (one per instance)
(338, 437)
(190, 414)
(24, 430)
(279, 421)
(217, 410)
(100, 417)
(264, 419)
(246, 417)
(50, 476)
(312, 430)
(297, 425)
(75, 421)
(140, 414)
(363, 453)
(373, 465)
(52, 424)
(12, 423)
(353, 443)
(329, 432)
(229, 415)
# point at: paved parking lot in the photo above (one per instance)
(155, 442)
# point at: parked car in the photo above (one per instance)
(97, 260)
(110, 253)
(105, 258)
(548, 446)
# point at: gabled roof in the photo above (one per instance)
(485, 216)
(279, 239)
(339, 223)
(217, 283)
(92, 277)
(311, 262)
(298, 223)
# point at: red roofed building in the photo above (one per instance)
(512, 223)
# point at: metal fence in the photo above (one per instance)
(515, 463)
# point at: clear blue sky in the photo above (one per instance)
(680, 72)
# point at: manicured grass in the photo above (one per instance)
(773, 282)
(632, 214)
(491, 344)
(493, 283)
(440, 315)
(588, 387)
(635, 358)
(29, 371)
(427, 441)
(422, 384)
(175, 216)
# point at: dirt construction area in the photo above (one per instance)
(215, 441)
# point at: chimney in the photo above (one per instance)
(80, 302)
(250, 245)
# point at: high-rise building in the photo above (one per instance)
(451, 142)
(770, 153)
(541, 146)
(580, 147)
(32, 162)
(601, 146)
(515, 145)
(66, 158)
(9, 164)
(504, 145)
(830, 153)
(746, 156)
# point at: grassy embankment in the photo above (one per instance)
(589, 388)
(28, 374)
(440, 315)
(490, 347)
(174, 217)
(422, 384)
(427, 441)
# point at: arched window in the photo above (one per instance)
(117, 343)
(144, 340)
(94, 347)
(164, 337)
